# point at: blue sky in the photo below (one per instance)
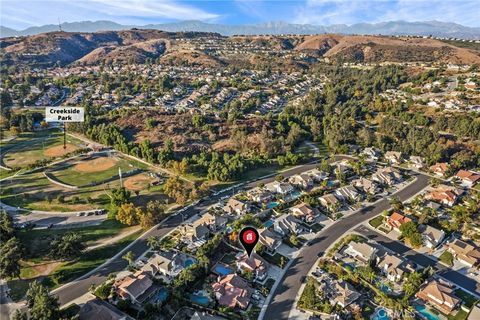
(21, 14)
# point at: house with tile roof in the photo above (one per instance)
(439, 294)
(395, 220)
(468, 178)
(255, 264)
(137, 287)
(232, 291)
(464, 252)
(440, 169)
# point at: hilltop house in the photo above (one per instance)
(304, 211)
(432, 237)
(464, 252)
(286, 224)
(235, 206)
(440, 294)
(254, 264)
(232, 291)
(395, 220)
(137, 287)
(363, 252)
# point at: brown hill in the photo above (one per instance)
(191, 58)
(380, 49)
(64, 48)
(137, 52)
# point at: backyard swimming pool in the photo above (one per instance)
(272, 204)
(268, 223)
(200, 299)
(380, 314)
(189, 262)
(222, 269)
(426, 313)
(161, 296)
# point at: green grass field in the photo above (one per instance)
(37, 241)
(68, 271)
(75, 177)
(32, 146)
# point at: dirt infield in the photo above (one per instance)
(58, 151)
(95, 165)
(138, 182)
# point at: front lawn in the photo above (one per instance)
(275, 259)
(446, 258)
(377, 221)
(467, 298)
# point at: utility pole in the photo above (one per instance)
(120, 175)
(64, 137)
(59, 25)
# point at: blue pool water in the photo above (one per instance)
(268, 223)
(199, 299)
(330, 183)
(384, 287)
(380, 314)
(272, 204)
(222, 270)
(426, 313)
(189, 262)
(162, 295)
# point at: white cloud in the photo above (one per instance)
(21, 14)
(327, 12)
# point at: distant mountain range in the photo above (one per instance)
(425, 28)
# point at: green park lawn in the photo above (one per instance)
(30, 147)
(74, 177)
(71, 270)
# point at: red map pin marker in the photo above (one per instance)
(249, 238)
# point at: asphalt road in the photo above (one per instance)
(284, 296)
(422, 260)
(76, 289)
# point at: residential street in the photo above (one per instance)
(422, 260)
(284, 295)
(76, 289)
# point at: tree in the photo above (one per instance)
(6, 226)
(119, 196)
(18, 315)
(10, 254)
(128, 214)
(41, 304)
(148, 219)
(294, 240)
(66, 247)
(175, 188)
(129, 257)
(409, 231)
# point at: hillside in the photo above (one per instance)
(135, 45)
(48, 49)
(381, 49)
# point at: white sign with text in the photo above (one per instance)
(64, 114)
